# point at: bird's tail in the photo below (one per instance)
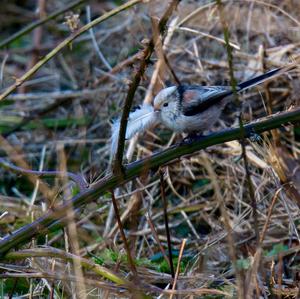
(138, 121)
(264, 77)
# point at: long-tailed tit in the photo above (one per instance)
(194, 109)
(190, 109)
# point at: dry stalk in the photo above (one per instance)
(156, 237)
(71, 232)
(124, 239)
(225, 218)
(249, 184)
(165, 210)
(15, 155)
(178, 266)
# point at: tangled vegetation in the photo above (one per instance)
(214, 218)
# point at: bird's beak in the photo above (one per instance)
(156, 108)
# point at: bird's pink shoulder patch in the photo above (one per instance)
(190, 96)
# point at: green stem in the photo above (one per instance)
(56, 253)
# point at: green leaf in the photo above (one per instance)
(20, 288)
(243, 264)
(277, 248)
(200, 183)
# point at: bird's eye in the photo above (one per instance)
(165, 104)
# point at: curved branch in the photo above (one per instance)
(58, 216)
(57, 253)
(76, 178)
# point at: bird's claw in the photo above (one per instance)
(253, 136)
(191, 138)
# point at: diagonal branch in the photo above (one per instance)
(38, 23)
(67, 41)
(55, 218)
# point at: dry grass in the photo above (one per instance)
(59, 120)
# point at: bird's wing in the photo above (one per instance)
(196, 99)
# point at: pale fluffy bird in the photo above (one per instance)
(193, 109)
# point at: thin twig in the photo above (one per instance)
(255, 266)
(38, 23)
(2, 69)
(155, 235)
(249, 183)
(274, 199)
(71, 231)
(128, 61)
(159, 49)
(178, 266)
(56, 95)
(36, 187)
(165, 210)
(129, 257)
(233, 82)
(67, 41)
(67, 278)
(78, 179)
(237, 47)
(15, 155)
(95, 44)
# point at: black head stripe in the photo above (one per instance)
(181, 89)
